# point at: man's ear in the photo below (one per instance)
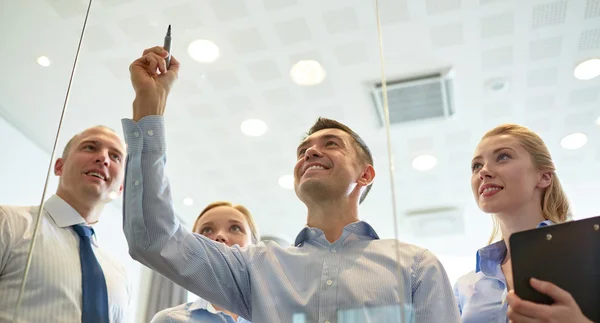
(58, 167)
(545, 180)
(367, 176)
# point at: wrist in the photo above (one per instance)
(145, 105)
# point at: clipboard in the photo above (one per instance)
(566, 254)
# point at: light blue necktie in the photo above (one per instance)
(94, 298)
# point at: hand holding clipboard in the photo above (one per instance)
(567, 258)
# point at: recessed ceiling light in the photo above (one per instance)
(598, 121)
(587, 70)
(286, 181)
(43, 60)
(424, 162)
(253, 127)
(574, 141)
(188, 201)
(113, 195)
(307, 73)
(203, 51)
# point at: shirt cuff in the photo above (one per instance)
(146, 135)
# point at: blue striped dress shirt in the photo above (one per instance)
(358, 278)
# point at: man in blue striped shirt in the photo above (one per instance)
(338, 269)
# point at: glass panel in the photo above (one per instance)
(40, 41)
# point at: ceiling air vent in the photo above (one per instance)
(420, 98)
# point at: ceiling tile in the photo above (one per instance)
(98, 38)
(584, 96)
(393, 11)
(293, 31)
(497, 57)
(540, 104)
(214, 175)
(592, 9)
(189, 20)
(277, 97)
(419, 145)
(268, 147)
(541, 124)
(224, 80)
(119, 67)
(542, 77)
(309, 55)
(203, 111)
(247, 41)
(549, 14)
(458, 138)
(264, 71)
(319, 91)
(352, 53)
(497, 25)
(440, 6)
(580, 119)
(497, 110)
(334, 112)
(589, 39)
(545, 48)
(239, 105)
(227, 10)
(188, 87)
(114, 3)
(341, 20)
(67, 8)
(278, 4)
(484, 2)
(136, 28)
(447, 35)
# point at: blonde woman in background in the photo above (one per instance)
(223, 222)
(513, 178)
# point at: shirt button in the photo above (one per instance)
(136, 183)
(329, 282)
(150, 133)
(136, 134)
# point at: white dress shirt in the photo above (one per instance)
(53, 289)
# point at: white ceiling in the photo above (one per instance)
(533, 44)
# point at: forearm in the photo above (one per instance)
(158, 103)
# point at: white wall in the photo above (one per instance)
(23, 169)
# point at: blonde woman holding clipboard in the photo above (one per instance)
(513, 178)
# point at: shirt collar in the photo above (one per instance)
(488, 257)
(359, 228)
(63, 214)
(200, 304)
(204, 305)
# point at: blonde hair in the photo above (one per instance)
(254, 235)
(555, 205)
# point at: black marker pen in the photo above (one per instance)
(167, 46)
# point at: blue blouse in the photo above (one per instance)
(481, 294)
